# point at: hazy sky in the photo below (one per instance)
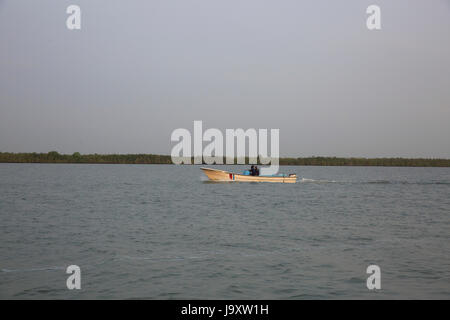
(139, 69)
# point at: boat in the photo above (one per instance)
(222, 175)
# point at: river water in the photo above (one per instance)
(164, 232)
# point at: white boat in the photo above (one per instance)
(222, 175)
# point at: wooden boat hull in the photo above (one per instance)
(221, 175)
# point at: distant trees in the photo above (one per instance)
(386, 162)
(76, 157)
(53, 155)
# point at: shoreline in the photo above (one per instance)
(77, 158)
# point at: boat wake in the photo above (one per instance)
(375, 182)
(306, 180)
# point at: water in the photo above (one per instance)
(163, 232)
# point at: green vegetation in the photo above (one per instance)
(55, 157)
(382, 162)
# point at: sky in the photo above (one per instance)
(137, 70)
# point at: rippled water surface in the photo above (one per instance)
(164, 232)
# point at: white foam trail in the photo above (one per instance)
(303, 180)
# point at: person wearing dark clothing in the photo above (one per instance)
(252, 170)
(256, 171)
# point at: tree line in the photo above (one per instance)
(55, 157)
